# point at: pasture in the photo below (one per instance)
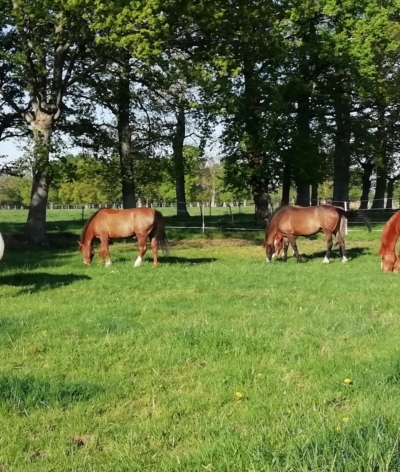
(214, 361)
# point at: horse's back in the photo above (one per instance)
(123, 223)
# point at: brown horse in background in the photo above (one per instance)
(108, 224)
(390, 234)
(290, 222)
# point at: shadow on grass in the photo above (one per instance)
(352, 253)
(36, 281)
(27, 393)
(187, 260)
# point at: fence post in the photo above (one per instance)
(83, 213)
(345, 223)
(202, 217)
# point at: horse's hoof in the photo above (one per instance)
(345, 259)
(108, 263)
(326, 260)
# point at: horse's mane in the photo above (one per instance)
(387, 240)
(275, 212)
(84, 229)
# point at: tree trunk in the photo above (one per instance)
(303, 194)
(368, 168)
(262, 204)
(35, 228)
(381, 161)
(314, 194)
(179, 162)
(286, 181)
(341, 159)
(124, 136)
(390, 190)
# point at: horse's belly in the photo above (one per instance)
(120, 233)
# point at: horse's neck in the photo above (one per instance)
(390, 240)
(88, 236)
(272, 230)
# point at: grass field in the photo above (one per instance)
(214, 361)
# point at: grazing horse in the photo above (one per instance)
(390, 233)
(1, 247)
(108, 224)
(290, 222)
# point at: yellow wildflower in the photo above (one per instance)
(346, 420)
(348, 381)
(337, 428)
(239, 395)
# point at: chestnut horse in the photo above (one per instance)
(1, 247)
(108, 224)
(290, 222)
(390, 233)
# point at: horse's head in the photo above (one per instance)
(388, 263)
(87, 253)
(269, 250)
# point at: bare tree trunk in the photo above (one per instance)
(179, 163)
(303, 194)
(35, 228)
(314, 194)
(262, 204)
(286, 181)
(368, 168)
(124, 136)
(381, 161)
(390, 190)
(341, 159)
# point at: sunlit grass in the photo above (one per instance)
(213, 361)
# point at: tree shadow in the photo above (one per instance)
(22, 394)
(36, 281)
(351, 253)
(187, 260)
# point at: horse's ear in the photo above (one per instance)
(80, 244)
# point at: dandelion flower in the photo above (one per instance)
(346, 420)
(239, 395)
(337, 428)
(348, 381)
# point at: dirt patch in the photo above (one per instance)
(200, 243)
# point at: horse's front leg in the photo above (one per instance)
(292, 241)
(285, 249)
(142, 249)
(329, 244)
(104, 250)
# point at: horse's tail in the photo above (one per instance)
(1, 247)
(159, 232)
(354, 215)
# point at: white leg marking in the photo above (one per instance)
(326, 260)
(274, 255)
(345, 259)
(108, 263)
(267, 260)
(138, 261)
(381, 264)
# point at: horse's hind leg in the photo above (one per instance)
(142, 249)
(340, 240)
(154, 248)
(329, 244)
(292, 241)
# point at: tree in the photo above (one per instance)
(46, 49)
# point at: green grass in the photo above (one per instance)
(138, 369)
